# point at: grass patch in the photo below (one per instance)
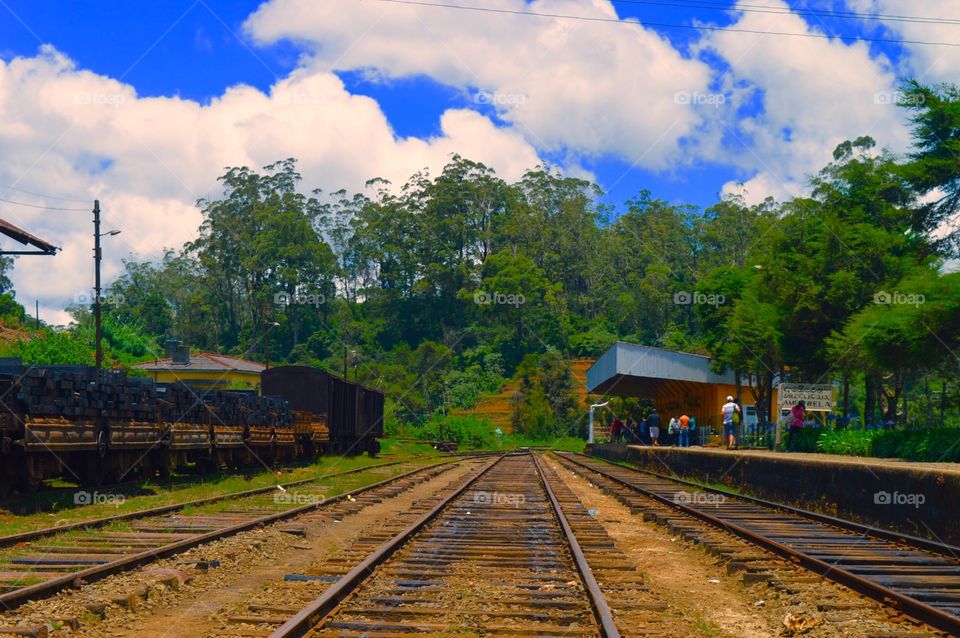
(55, 505)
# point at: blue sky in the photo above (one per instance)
(197, 50)
(143, 104)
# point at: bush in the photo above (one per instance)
(803, 440)
(851, 442)
(468, 431)
(935, 444)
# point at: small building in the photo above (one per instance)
(676, 382)
(203, 369)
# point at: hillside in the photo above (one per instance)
(498, 407)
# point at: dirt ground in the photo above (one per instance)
(696, 584)
(248, 563)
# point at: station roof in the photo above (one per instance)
(25, 238)
(628, 369)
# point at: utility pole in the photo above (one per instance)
(96, 279)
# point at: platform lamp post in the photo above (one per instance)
(592, 407)
(97, 257)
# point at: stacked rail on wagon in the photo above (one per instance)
(93, 426)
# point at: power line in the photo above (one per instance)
(665, 25)
(762, 8)
(8, 201)
(75, 200)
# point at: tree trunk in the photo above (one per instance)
(846, 399)
(870, 400)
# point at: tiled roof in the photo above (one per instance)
(204, 362)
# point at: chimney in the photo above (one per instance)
(177, 353)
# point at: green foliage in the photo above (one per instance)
(545, 405)
(11, 312)
(468, 431)
(803, 439)
(934, 444)
(50, 348)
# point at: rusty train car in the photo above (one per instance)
(94, 426)
(353, 413)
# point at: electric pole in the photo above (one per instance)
(96, 280)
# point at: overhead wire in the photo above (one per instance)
(10, 201)
(764, 8)
(666, 25)
(75, 200)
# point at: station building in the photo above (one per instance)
(203, 369)
(677, 383)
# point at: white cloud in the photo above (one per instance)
(70, 132)
(815, 94)
(595, 88)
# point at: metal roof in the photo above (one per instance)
(204, 362)
(25, 238)
(628, 369)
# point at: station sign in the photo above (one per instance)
(818, 397)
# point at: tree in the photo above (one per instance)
(934, 169)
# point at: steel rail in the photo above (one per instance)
(14, 599)
(888, 597)
(22, 537)
(314, 613)
(598, 602)
(951, 551)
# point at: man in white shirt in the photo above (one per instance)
(729, 409)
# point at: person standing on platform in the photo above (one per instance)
(798, 414)
(672, 430)
(653, 424)
(684, 433)
(729, 429)
(693, 427)
(616, 430)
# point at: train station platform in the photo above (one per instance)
(911, 497)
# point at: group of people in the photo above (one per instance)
(678, 429)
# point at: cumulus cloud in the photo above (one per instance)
(67, 131)
(594, 88)
(813, 94)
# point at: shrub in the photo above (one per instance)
(468, 431)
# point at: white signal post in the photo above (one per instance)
(592, 407)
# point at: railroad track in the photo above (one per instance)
(509, 551)
(917, 577)
(24, 537)
(30, 570)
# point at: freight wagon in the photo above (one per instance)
(100, 426)
(353, 413)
